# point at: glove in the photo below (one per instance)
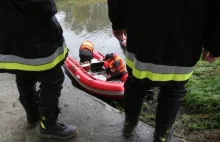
(119, 34)
(207, 56)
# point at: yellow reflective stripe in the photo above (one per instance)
(129, 63)
(17, 66)
(157, 76)
(42, 125)
(163, 139)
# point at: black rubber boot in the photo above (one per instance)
(49, 128)
(30, 105)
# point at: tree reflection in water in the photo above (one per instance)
(85, 15)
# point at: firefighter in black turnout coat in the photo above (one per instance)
(33, 48)
(165, 40)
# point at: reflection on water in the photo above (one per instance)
(87, 19)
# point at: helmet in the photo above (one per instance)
(87, 45)
(108, 56)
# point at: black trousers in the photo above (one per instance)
(169, 100)
(50, 85)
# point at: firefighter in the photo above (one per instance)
(86, 51)
(115, 67)
(164, 44)
(34, 50)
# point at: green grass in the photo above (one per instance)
(204, 89)
(202, 102)
(147, 115)
(197, 122)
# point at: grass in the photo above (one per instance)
(202, 102)
(197, 122)
(148, 114)
(204, 89)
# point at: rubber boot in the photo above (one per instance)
(169, 103)
(49, 128)
(30, 104)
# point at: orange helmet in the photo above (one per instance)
(87, 45)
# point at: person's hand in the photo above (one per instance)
(119, 34)
(207, 56)
(124, 42)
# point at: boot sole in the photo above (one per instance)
(57, 137)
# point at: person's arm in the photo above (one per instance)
(212, 34)
(116, 9)
(37, 9)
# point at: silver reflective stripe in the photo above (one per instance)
(163, 69)
(130, 56)
(35, 62)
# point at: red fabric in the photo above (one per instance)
(106, 64)
(123, 78)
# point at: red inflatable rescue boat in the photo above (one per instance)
(92, 77)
